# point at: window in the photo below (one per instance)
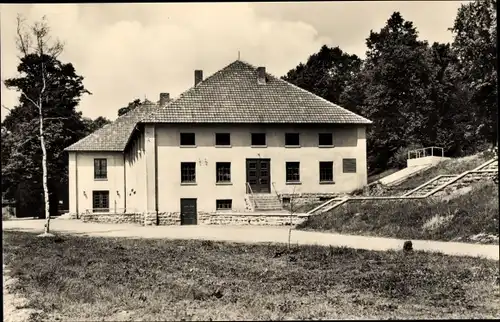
(325, 139)
(100, 201)
(222, 139)
(100, 169)
(326, 172)
(224, 204)
(258, 138)
(292, 139)
(188, 172)
(349, 165)
(223, 172)
(292, 172)
(187, 139)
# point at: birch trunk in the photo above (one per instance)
(44, 173)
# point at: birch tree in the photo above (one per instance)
(49, 92)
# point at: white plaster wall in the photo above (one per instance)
(349, 142)
(82, 184)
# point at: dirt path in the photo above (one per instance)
(252, 234)
(14, 305)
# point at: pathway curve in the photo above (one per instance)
(252, 234)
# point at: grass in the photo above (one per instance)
(88, 278)
(432, 218)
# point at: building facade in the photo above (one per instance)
(233, 138)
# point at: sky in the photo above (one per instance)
(129, 51)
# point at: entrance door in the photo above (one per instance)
(188, 212)
(258, 175)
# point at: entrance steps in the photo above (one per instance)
(265, 202)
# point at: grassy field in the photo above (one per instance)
(458, 219)
(85, 278)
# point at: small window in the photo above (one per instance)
(286, 201)
(224, 204)
(258, 138)
(325, 139)
(292, 139)
(223, 172)
(100, 169)
(222, 139)
(349, 165)
(188, 139)
(292, 172)
(326, 172)
(100, 201)
(188, 172)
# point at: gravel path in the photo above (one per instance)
(252, 234)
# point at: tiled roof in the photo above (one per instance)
(233, 95)
(114, 136)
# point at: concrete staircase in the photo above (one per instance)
(437, 185)
(430, 186)
(329, 205)
(265, 202)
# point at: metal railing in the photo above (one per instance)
(432, 151)
(277, 194)
(249, 189)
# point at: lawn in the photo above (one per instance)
(89, 278)
(463, 218)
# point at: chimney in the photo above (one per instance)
(164, 99)
(198, 76)
(261, 75)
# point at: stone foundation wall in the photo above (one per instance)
(248, 219)
(174, 218)
(169, 218)
(303, 198)
(111, 218)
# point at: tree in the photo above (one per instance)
(475, 45)
(93, 125)
(397, 102)
(50, 91)
(326, 73)
(131, 106)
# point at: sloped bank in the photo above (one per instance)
(470, 217)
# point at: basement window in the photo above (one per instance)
(188, 139)
(224, 204)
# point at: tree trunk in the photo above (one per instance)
(44, 173)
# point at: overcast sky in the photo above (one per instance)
(128, 51)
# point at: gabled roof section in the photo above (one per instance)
(114, 136)
(233, 95)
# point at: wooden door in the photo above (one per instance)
(259, 175)
(188, 212)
